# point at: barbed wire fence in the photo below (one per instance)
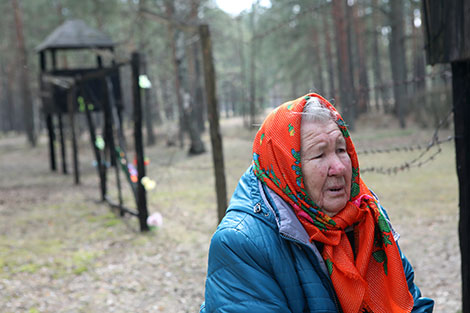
(423, 158)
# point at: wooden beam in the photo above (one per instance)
(461, 99)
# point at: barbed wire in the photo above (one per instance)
(417, 161)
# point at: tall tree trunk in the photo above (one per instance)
(351, 56)
(346, 99)
(363, 88)
(10, 108)
(379, 91)
(329, 57)
(147, 106)
(253, 68)
(241, 54)
(212, 108)
(197, 145)
(98, 12)
(317, 61)
(201, 103)
(169, 5)
(168, 106)
(24, 76)
(419, 69)
(398, 59)
(147, 99)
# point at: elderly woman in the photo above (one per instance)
(303, 233)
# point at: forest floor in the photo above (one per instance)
(61, 250)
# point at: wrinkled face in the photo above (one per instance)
(326, 166)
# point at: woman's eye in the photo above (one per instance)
(341, 150)
(318, 156)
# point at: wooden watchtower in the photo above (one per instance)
(57, 100)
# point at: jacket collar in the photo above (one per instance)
(287, 222)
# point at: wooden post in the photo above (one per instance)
(62, 142)
(461, 99)
(51, 133)
(139, 147)
(71, 108)
(99, 163)
(213, 114)
(49, 116)
(108, 112)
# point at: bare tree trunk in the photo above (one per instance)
(329, 57)
(378, 90)
(197, 146)
(351, 56)
(398, 59)
(169, 5)
(201, 105)
(148, 107)
(363, 88)
(9, 106)
(252, 68)
(24, 76)
(419, 71)
(346, 86)
(241, 53)
(318, 62)
(168, 106)
(98, 14)
(147, 101)
(216, 138)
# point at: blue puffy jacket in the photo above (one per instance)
(260, 260)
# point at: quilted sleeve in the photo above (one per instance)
(238, 278)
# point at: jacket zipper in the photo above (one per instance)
(329, 283)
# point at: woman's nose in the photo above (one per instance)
(336, 166)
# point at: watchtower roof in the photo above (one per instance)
(75, 34)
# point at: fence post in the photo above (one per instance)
(213, 114)
(71, 108)
(461, 99)
(100, 166)
(141, 198)
(51, 134)
(62, 142)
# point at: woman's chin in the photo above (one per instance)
(331, 208)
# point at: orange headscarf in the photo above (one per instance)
(374, 279)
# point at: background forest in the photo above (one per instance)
(64, 250)
(365, 55)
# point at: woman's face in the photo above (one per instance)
(326, 166)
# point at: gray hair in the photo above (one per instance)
(315, 111)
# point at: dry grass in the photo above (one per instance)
(62, 251)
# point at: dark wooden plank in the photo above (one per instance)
(62, 143)
(447, 31)
(71, 101)
(99, 163)
(51, 134)
(461, 99)
(139, 147)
